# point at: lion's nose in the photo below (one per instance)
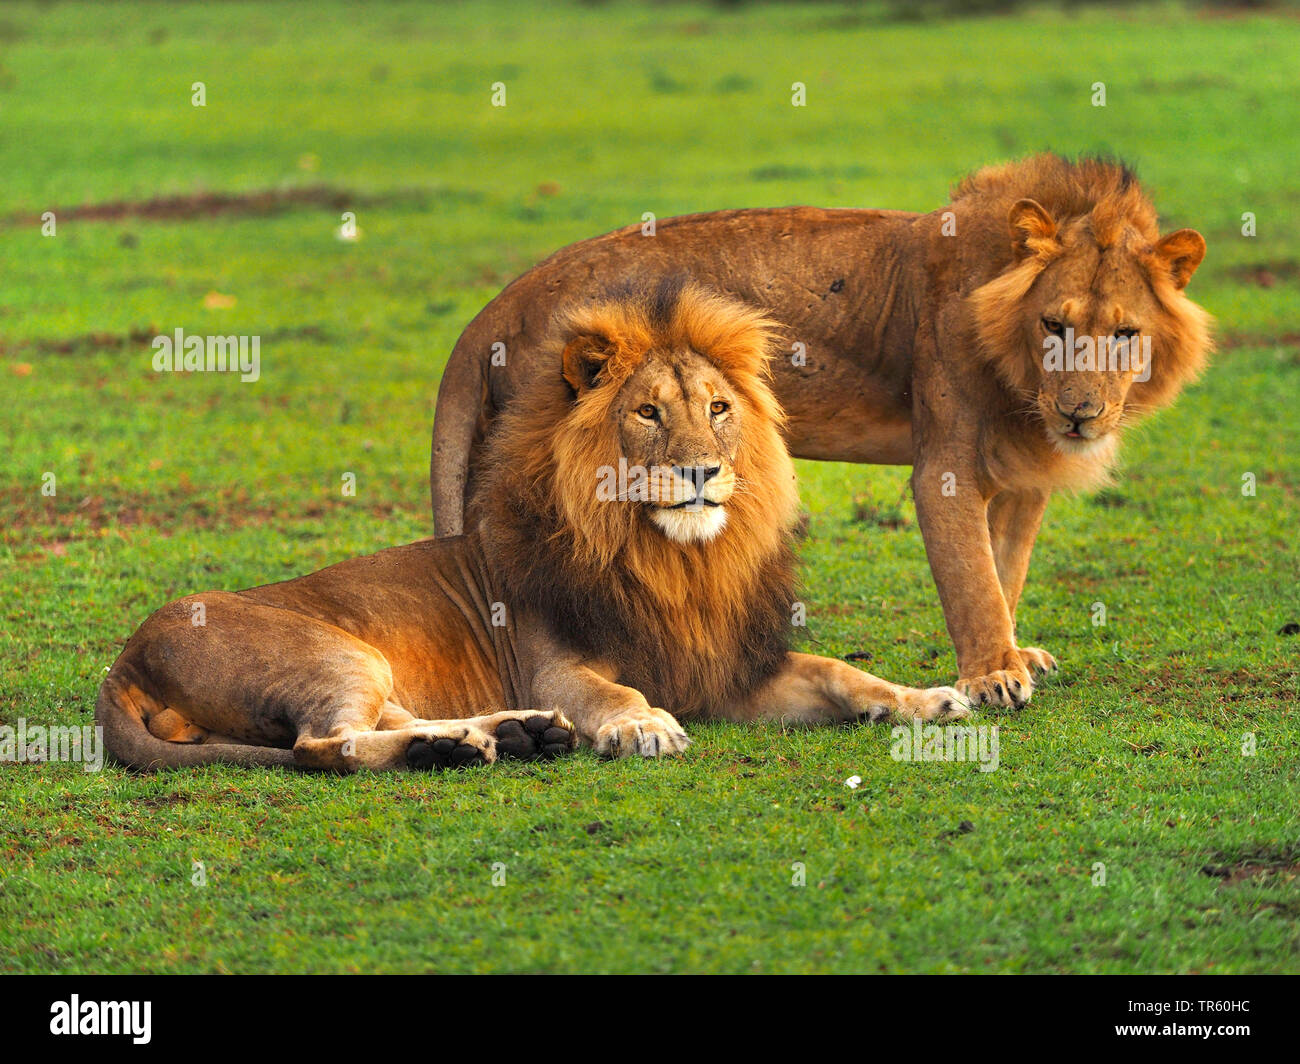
(1085, 411)
(700, 475)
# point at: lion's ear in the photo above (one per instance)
(584, 357)
(1031, 228)
(1181, 251)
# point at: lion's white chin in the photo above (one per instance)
(686, 525)
(1094, 446)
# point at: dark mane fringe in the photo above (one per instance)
(1105, 188)
(609, 615)
(693, 625)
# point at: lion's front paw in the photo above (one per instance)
(1007, 680)
(1001, 687)
(933, 704)
(644, 732)
(1038, 662)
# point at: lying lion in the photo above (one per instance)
(921, 339)
(631, 569)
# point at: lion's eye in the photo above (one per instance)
(719, 406)
(648, 411)
(1125, 333)
(1054, 326)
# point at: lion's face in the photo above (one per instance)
(1095, 308)
(679, 424)
(1091, 320)
(672, 424)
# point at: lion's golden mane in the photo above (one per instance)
(690, 625)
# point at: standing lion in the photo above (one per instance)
(631, 569)
(936, 340)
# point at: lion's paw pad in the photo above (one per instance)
(541, 736)
(442, 753)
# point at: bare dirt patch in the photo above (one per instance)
(138, 336)
(1241, 688)
(1235, 341)
(1266, 274)
(83, 343)
(1263, 871)
(34, 527)
(213, 204)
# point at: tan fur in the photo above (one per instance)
(905, 338)
(562, 616)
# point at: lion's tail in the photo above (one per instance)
(121, 709)
(459, 418)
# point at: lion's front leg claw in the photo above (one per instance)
(646, 732)
(1038, 662)
(933, 704)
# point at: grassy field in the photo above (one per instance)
(224, 219)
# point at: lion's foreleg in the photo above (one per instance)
(953, 517)
(1014, 518)
(616, 720)
(816, 690)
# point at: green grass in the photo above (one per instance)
(165, 485)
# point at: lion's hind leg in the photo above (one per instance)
(434, 744)
(252, 674)
(217, 677)
(520, 735)
(530, 735)
(401, 740)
